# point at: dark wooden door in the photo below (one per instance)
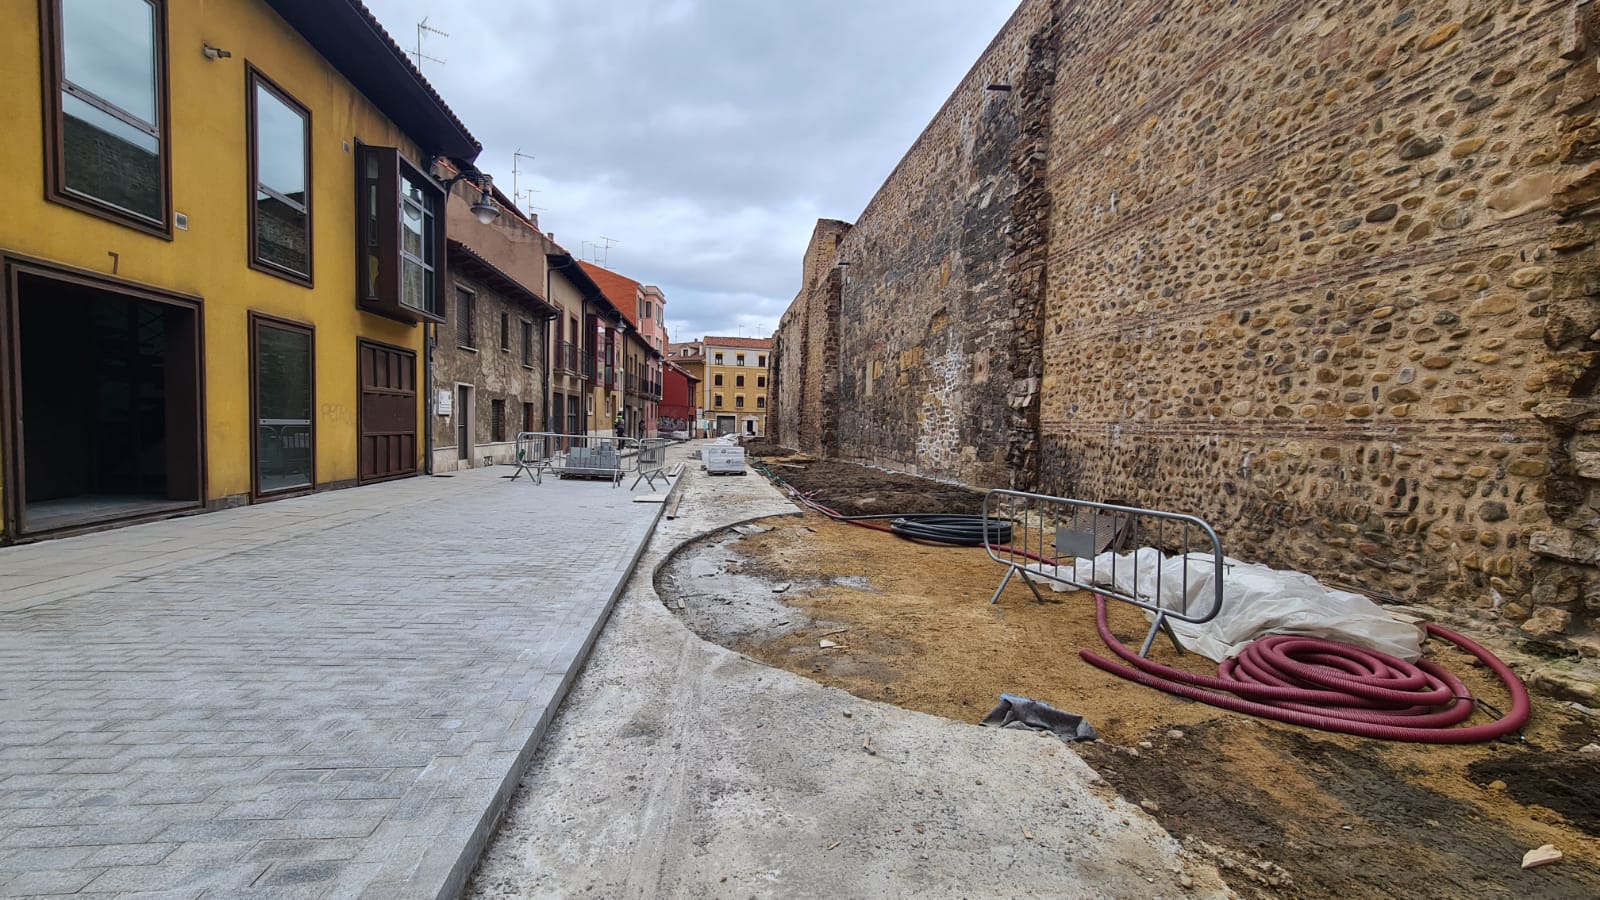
(388, 379)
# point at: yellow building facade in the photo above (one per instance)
(736, 380)
(196, 313)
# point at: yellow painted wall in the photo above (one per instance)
(729, 389)
(209, 175)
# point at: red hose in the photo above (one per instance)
(1332, 686)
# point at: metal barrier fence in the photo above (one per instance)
(651, 462)
(1080, 544)
(588, 456)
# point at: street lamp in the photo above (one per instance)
(485, 209)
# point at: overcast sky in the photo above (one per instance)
(706, 137)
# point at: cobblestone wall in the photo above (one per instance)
(1319, 272)
(805, 355)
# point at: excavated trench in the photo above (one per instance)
(1283, 812)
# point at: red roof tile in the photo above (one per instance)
(621, 290)
(741, 343)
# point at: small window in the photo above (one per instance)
(739, 360)
(738, 381)
(718, 360)
(505, 332)
(497, 420)
(738, 401)
(716, 380)
(761, 381)
(527, 344)
(400, 238)
(717, 401)
(106, 101)
(465, 326)
(761, 403)
(761, 361)
(280, 177)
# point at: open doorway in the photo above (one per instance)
(105, 397)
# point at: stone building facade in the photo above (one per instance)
(490, 371)
(1322, 273)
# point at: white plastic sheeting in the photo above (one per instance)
(1256, 601)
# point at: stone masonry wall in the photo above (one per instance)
(1322, 273)
(1300, 281)
(806, 353)
(924, 377)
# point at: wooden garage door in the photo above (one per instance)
(388, 411)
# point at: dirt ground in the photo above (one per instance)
(1284, 812)
(859, 491)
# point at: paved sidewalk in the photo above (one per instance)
(329, 696)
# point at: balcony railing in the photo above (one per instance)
(567, 357)
(587, 364)
(611, 377)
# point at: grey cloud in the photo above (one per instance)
(706, 136)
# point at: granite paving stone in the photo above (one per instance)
(322, 697)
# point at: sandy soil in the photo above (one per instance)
(1284, 812)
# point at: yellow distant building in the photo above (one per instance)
(735, 386)
(220, 253)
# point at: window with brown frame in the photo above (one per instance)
(106, 132)
(279, 131)
(497, 420)
(400, 240)
(527, 344)
(465, 324)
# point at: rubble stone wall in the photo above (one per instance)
(805, 356)
(1323, 273)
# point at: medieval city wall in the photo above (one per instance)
(1318, 272)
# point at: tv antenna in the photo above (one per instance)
(516, 192)
(606, 248)
(423, 26)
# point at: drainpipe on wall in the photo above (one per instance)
(430, 337)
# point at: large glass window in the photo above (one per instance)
(280, 171)
(107, 97)
(417, 234)
(284, 428)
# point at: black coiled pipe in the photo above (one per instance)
(960, 531)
